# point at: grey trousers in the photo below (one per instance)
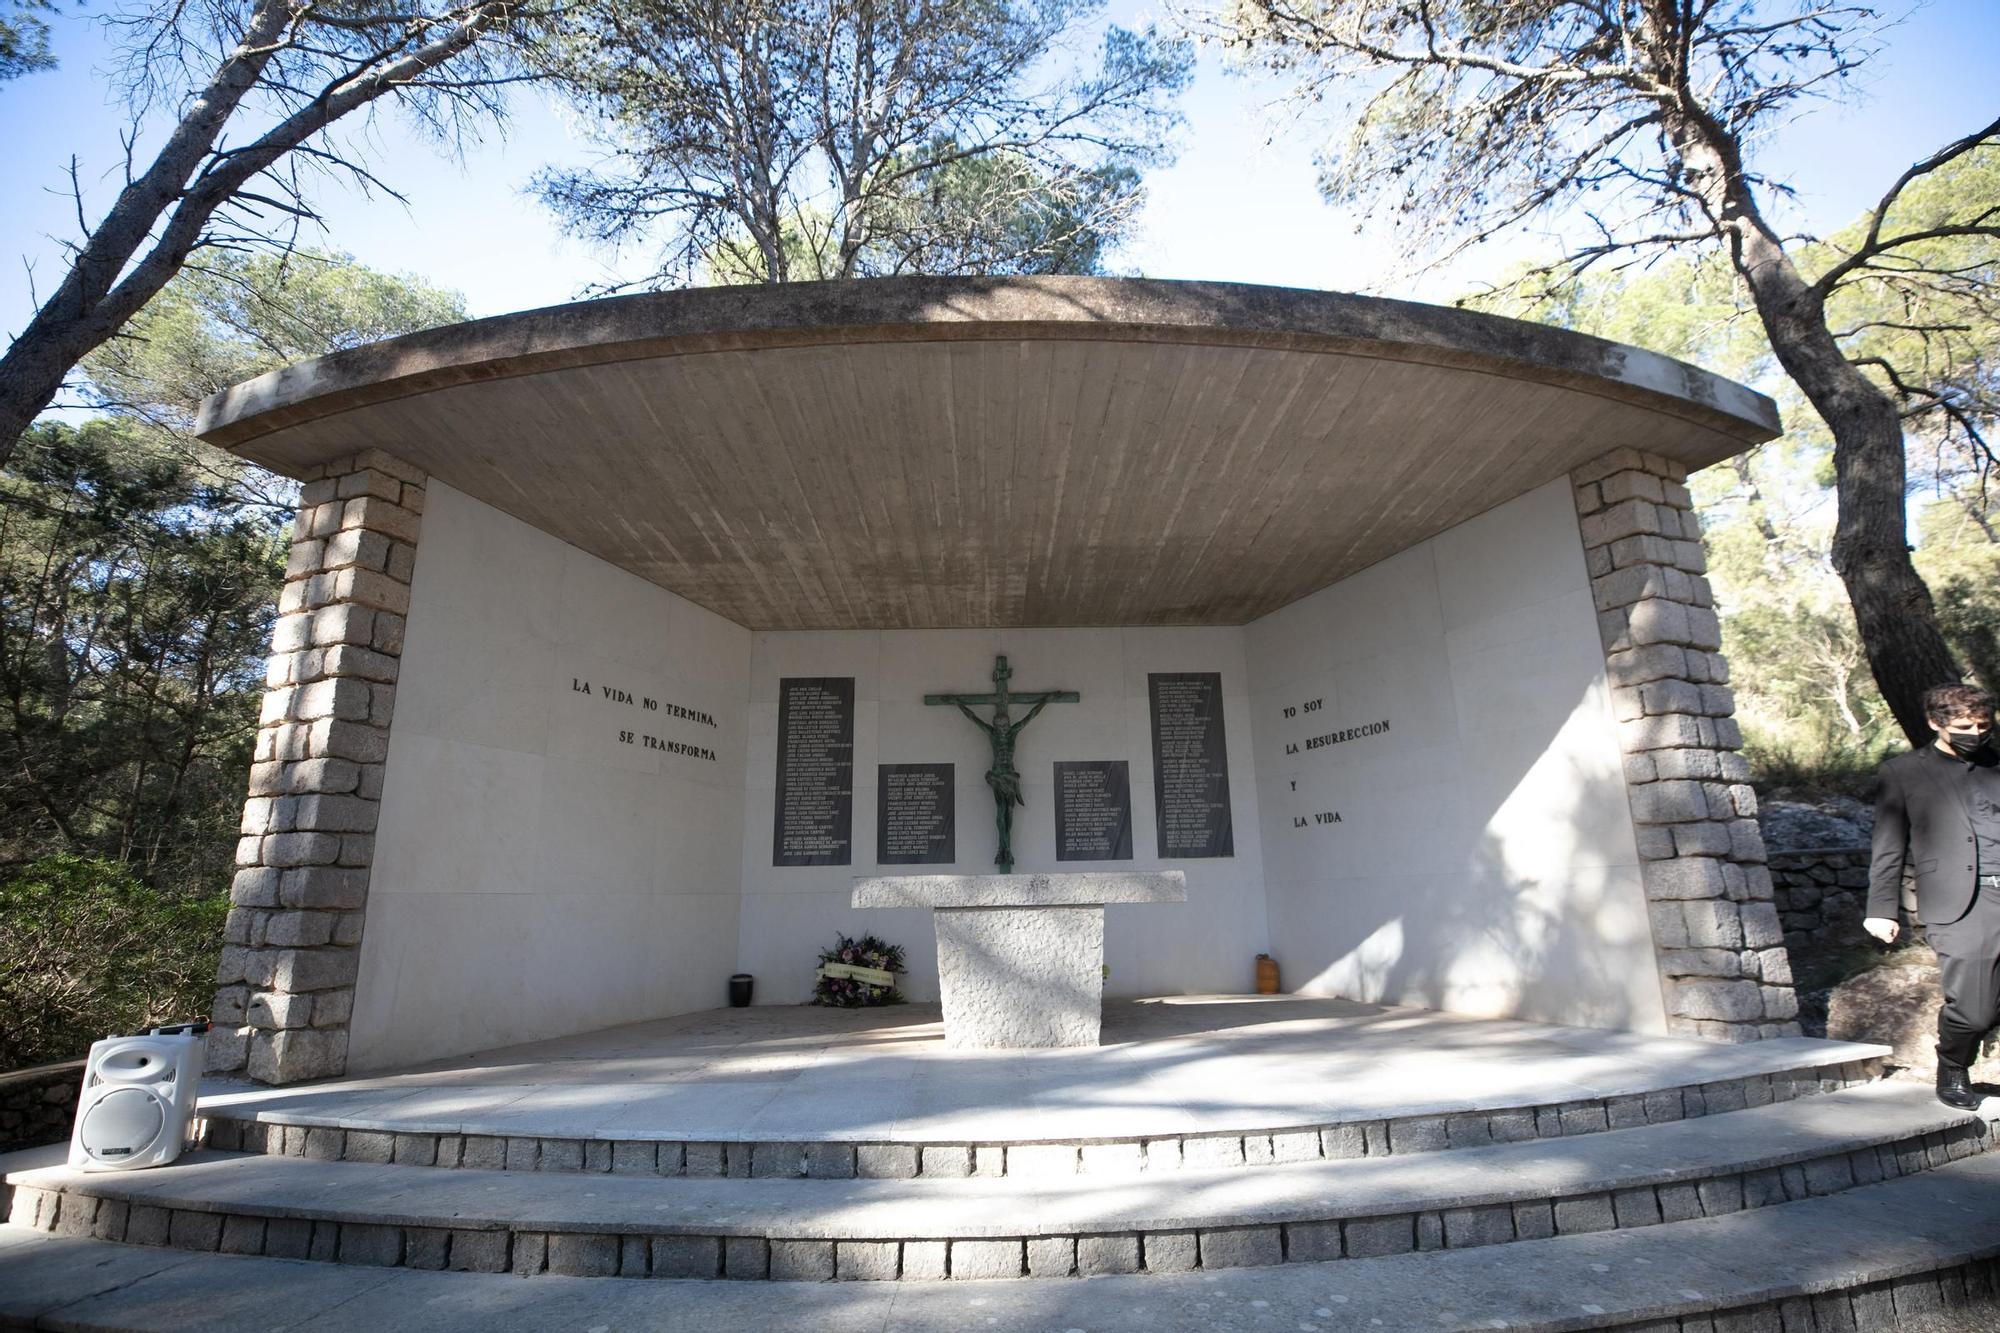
(1968, 951)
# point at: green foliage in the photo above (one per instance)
(1812, 716)
(91, 952)
(1924, 323)
(992, 214)
(848, 993)
(231, 316)
(135, 602)
(787, 140)
(139, 572)
(24, 38)
(999, 213)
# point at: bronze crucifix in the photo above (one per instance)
(1001, 731)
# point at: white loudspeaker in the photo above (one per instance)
(138, 1099)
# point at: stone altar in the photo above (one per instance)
(1020, 957)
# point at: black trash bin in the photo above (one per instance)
(739, 990)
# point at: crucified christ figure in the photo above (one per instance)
(1000, 731)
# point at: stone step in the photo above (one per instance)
(605, 1225)
(1902, 1254)
(451, 1127)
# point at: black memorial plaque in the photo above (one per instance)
(1190, 764)
(1094, 810)
(915, 815)
(813, 818)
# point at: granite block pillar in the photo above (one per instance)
(1724, 971)
(285, 987)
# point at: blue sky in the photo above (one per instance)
(1239, 204)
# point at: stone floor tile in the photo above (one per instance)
(866, 1260)
(287, 1238)
(109, 1223)
(478, 1252)
(1241, 1247)
(1680, 1202)
(369, 1145)
(583, 1254)
(634, 1158)
(745, 1257)
(1534, 1220)
(1096, 1255)
(242, 1235)
(368, 1243)
(529, 1253)
(1371, 1236)
(802, 1260)
(1052, 1256)
(559, 1155)
(482, 1152)
(1828, 1175)
(1471, 1130)
(1417, 1134)
(986, 1258)
(830, 1161)
(426, 1247)
(1343, 1141)
(1589, 1212)
(415, 1150)
(1487, 1225)
(947, 1160)
(1042, 1159)
(1286, 1146)
(687, 1256)
(885, 1161)
(1307, 1242)
(1211, 1152)
(925, 1260)
(1636, 1207)
(189, 1230)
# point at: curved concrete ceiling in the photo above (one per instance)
(927, 452)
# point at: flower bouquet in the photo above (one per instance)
(856, 973)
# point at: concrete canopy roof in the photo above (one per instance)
(931, 452)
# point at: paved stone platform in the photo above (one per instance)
(1186, 1067)
(591, 1225)
(1886, 1256)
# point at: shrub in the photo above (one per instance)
(90, 951)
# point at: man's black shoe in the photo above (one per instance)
(1954, 1088)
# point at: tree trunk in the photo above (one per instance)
(186, 183)
(91, 304)
(1906, 650)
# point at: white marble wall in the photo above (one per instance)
(1207, 944)
(1484, 861)
(533, 875)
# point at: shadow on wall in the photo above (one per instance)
(1542, 915)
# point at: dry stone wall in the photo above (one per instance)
(1724, 972)
(37, 1105)
(1822, 896)
(291, 955)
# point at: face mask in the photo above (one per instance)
(1966, 744)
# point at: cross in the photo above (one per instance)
(1001, 777)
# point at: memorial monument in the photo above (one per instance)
(1020, 957)
(606, 660)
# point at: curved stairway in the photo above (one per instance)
(1815, 1197)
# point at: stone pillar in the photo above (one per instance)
(1724, 972)
(292, 943)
